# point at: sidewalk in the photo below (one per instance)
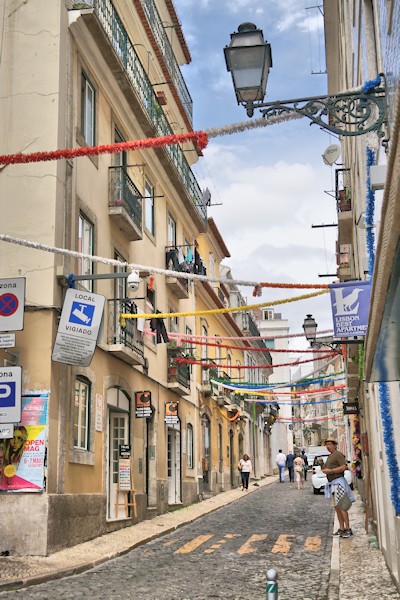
(356, 570)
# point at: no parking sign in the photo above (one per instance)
(12, 301)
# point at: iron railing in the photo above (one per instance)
(124, 49)
(128, 335)
(163, 42)
(123, 192)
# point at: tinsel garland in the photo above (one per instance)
(301, 420)
(280, 403)
(316, 286)
(371, 84)
(314, 392)
(263, 386)
(253, 349)
(189, 361)
(390, 447)
(369, 214)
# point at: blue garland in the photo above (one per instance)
(369, 214)
(371, 84)
(390, 447)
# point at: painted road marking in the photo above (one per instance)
(190, 546)
(215, 547)
(313, 544)
(282, 544)
(248, 547)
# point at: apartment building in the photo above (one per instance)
(362, 40)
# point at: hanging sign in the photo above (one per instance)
(143, 404)
(12, 302)
(79, 328)
(351, 408)
(171, 413)
(124, 450)
(350, 308)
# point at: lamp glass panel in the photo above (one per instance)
(247, 66)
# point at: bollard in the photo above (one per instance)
(272, 584)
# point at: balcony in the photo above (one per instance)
(174, 72)
(100, 18)
(182, 260)
(178, 379)
(125, 203)
(124, 342)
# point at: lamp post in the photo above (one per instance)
(248, 59)
(310, 330)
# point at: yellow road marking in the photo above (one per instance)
(282, 545)
(313, 544)
(190, 546)
(248, 547)
(215, 547)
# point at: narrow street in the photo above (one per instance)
(223, 555)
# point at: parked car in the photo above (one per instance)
(319, 479)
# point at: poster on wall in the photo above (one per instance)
(171, 413)
(22, 457)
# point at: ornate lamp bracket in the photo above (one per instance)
(345, 114)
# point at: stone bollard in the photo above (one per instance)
(272, 584)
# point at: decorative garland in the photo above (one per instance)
(252, 348)
(310, 402)
(258, 288)
(188, 361)
(390, 446)
(312, 420)
(315, 392)
(234, 418)
(216, 311)
(188, 337)
(242, 385)
(369, 214)
(124, 265)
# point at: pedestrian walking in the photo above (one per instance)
(304, 457)
(298, 465)
(246, 468)
(289, 463)
(281, 464)
(338, 489)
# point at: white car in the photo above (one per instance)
(319, 479)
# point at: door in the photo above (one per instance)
(118, 433)
(174, 466)
(206, 451)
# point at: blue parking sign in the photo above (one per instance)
(7, 394)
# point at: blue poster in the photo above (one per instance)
(350, 308)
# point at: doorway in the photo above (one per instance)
(174, 466)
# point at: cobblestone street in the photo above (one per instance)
(223, 555)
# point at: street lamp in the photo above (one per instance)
(310, 330)
(248, 59)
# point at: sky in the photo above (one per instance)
(272, 182)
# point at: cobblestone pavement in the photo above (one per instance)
(224, 550)
(223, 555)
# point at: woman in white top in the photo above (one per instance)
(298, 464)
(245, 467)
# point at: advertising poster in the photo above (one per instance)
(22, 457)
(171, 413)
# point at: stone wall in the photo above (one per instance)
(23, 523)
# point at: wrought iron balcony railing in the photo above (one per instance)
(163, 42)
(123, 192)
(124, 48)
(129, 335)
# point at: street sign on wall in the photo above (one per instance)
(10, 394)
(12, 302)
(79, 328)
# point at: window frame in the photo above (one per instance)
(149, 211)
(88, 135)
(77, 442)
(83, 263)
(189, 446)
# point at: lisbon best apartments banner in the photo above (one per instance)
(350, 308)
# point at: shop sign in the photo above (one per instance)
(351, 408)
(171, 413)
(143, 404)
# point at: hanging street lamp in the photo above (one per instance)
(248, 59)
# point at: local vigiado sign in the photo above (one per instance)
(79, 328)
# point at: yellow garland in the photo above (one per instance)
(216, 311)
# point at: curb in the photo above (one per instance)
(334, 578)
(20, 583)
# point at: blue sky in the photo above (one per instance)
(271, 181)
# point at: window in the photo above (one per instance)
(151, 307)
(85, 245)
(149, 207)
(171, 231)
(268, 315)
(88, 110)
(190, 447)
(81, 413)
(270, 343)
(173, 322)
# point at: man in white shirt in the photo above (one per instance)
(281, 463)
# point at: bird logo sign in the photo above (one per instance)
(350, 307)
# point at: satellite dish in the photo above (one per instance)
(331, 154)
